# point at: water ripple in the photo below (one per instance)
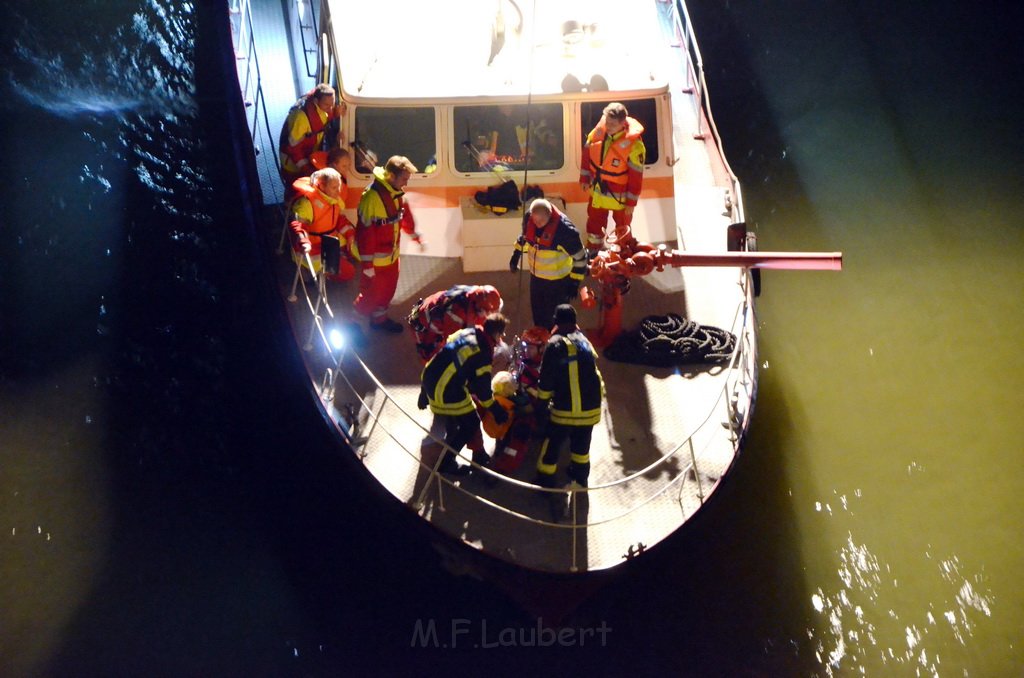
(136, 68)
(856, 633)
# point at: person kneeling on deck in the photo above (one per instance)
(383, 215)
(570, 393)
(337, 159)
(317, 213)
(451, 380)
(443, 313)
(516, 391)
(555, 257)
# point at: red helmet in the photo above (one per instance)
(537, 336)
(533, 342)
(486, 299)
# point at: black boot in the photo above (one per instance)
(480, 458)
(451, 467)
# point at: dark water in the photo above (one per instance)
(170, 506)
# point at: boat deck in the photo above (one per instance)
(667, 435)
(649, 412)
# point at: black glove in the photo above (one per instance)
(513, 263)
(500, 415)
(572, 288)
(422, 401)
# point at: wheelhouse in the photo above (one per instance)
(512, 99)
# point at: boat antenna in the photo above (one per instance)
(526, 147)
(529, 99)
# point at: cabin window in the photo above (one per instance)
(383, 132)
(512, 137)
(644, 110)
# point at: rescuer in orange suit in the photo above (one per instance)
(612, 172)
(316, 213)
(303, 132)
(434, 318)
(383, 215)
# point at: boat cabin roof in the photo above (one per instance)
(470, 49)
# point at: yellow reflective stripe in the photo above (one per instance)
(486, 369)
(575, 402)
(465, 352)
(442, 383)
(550, 264)
(585, 418)
(546, 469)
(579, 458)
(465, 407)
(544, 395)
(462, 407)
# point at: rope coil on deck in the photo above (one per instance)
(665, 340)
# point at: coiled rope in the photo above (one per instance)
(664, 340)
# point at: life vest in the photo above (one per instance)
(553, 251)
(306, 105)
(318, 159)
(379, 239)
(490, 425)
(325, 212)
(611, 161)
(390, 202)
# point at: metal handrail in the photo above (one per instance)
(681, 16)
(251, 86)
(302, 35)
(437, 480)
(737, 328)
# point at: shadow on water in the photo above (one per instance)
(241, 541)
(726, 597)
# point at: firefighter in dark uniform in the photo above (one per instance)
(454, 376)
(555, 258)
(570, 393)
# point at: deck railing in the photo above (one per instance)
(345, 367)
(305, 12)
(695, 66)
(263, 140)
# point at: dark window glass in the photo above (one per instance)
(513, 137)
(383, 132)
(644, 110)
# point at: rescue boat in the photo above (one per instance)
(477, 94)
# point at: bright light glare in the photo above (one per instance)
(337, 339)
